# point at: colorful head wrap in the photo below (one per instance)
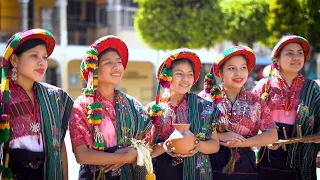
(276, 51)
(164, 75)
(89, 71)
(14, 42)
(210, 85)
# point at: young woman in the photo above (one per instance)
(293, 100)
(106, 124)
(34, 115)
(243, 114)
(177, 74)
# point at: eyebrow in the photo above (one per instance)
(182, 71)
(292, 50)
(108, 59)
(235, 65)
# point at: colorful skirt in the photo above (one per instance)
(245, 168)
(26, 164)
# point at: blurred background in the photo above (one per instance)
(151, 28)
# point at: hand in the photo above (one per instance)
(169, 150)
(113, 167)
(233, 143)
(231, 136)
(131, 154)
(273, 147)
(194, 150)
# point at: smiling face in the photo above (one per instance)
(110, 68)
(234, 72)
(31, 64)
(291, 58)
(182, 76)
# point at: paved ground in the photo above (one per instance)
(74, 167)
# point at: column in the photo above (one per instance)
(114, 17)
(23, 7)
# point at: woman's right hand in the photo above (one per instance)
(169, 150)
(231, 136)
(132, 154)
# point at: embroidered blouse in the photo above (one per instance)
(246, 116)
(275, 102)
(81, 132)
(21, 121)
(178, 114)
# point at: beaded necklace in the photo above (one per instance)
(174, 108)
(225, 103)
(287, 108)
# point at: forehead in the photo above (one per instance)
(236, 60)
(182, 66)
(109, 55)
(292, 46)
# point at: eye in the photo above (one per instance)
(34, 55)
(244, 67)
(289, 53)
(231, 68)
(190, 74)
(179, 74)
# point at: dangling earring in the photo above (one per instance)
(14, 74)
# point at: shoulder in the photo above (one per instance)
(52, 88)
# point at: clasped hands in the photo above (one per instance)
(232, 139)
(129, 152)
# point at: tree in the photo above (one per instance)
(245, 21)
(300, 17)
(170, 24)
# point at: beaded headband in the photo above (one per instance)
(14, 42)
(164, 74)
(275, 53)
(211, 87)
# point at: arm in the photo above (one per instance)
(84, 155)
(157, 150)
(265, 138)
(210, 146)
(64, 157)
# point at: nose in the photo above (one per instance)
(116, 66)
(42, 61)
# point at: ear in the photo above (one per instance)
(14, 60)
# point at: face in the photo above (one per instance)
(110, 68)
(234, 72)
(182, 78)
(31, 64)
(291, 59)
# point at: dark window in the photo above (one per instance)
(51, 76)
(91, 12)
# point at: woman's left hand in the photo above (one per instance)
(114, 167)
(233, 144)
(194, 150)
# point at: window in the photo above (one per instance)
(91, 12)
(127, 17)
(103, 18)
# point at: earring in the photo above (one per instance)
(278, 67)
(14, 74)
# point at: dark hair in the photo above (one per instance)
(28, 45)
(25, 46)
(221, 67)
(106, 51)
(183, 60)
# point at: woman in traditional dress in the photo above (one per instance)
(34, 115)
(107, 124)
(177, 74)
(294, 101)
(243, 114)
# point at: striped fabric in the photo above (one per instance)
(301, 156)
(55, 108)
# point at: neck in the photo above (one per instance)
(232, 93)
(26, 84)
(288, 77)
(107, 90)
(175, 97)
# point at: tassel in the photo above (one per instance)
(234, 157)
(216, 94)
(99, 143)
(155, 113)
(165, 96)
(94, 113)
(208, 82)
(165, 77)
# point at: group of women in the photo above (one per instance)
(114, 137)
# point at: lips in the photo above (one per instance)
(184, 85)
(237, 80)
(40, 71)
(116, 74)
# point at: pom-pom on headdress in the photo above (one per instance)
(275, 54)
(164, 75)
(211, 87)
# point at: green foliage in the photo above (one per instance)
(168, 24)
(245, 21)
(286, 17)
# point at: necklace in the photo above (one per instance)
(227, 116)
(287, 108)
(35, 124)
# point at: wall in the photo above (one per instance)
(9, 16)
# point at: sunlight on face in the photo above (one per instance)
(182, 78)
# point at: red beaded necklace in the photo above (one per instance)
(287, 108)
(34, 126)
(174, 108)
